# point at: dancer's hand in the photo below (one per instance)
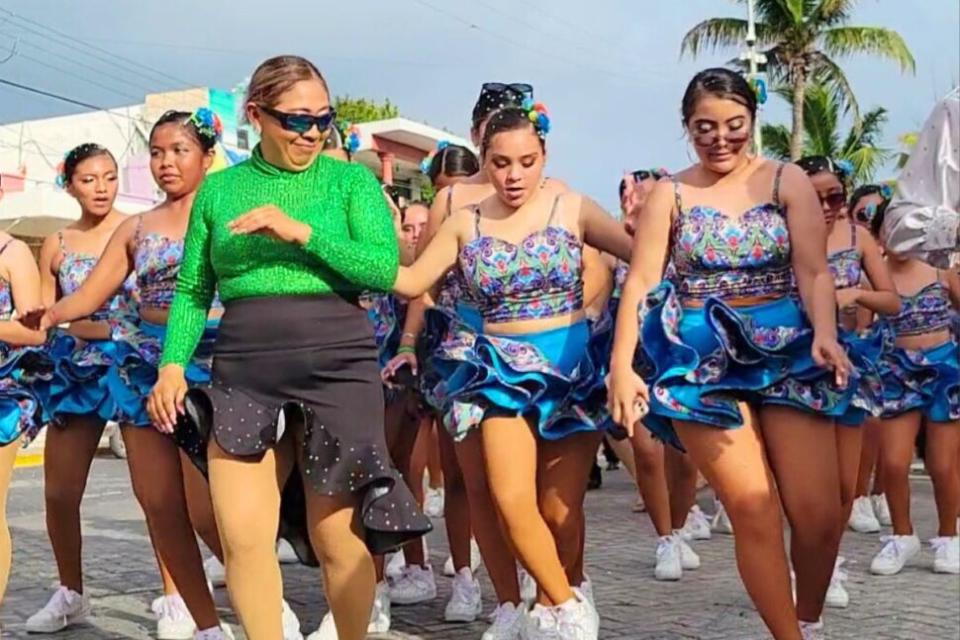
(396, 363)
(271, 221)
(165, 403)
(849, 297)
(628, 398)
(828, 354)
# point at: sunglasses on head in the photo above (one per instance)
(638, 176)
(301, 122)
(833, 200)
(524, 89)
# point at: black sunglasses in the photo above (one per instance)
(524, 89)
(834, 200)
(301, 122)
(639, 176)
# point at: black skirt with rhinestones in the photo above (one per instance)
(305, 366)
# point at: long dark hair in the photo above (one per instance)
(720, 83)
(451, 161)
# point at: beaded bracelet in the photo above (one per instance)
(405, 349)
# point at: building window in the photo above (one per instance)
(243, 139)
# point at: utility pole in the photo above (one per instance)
(757, 79)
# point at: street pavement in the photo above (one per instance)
(708, 604)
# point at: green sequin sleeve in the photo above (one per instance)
(196, 285)
(370, 257)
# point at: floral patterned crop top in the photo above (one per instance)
(846, 264)
(453, 290)
(73, 271)
(540, 277)
(156, 260)
(717, 256)
(927, 311)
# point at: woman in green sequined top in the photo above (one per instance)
(289, 238)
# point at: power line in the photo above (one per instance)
(55, 96)
(111, 57)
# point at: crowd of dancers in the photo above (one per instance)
(282, 340)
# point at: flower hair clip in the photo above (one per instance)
(538, 115)
(844, 167)
(427, 162)
(350, 135)
(61, 179)
(207, 123)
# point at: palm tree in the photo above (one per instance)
(802, 39)
(823, 112)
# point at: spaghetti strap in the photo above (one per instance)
(776, 183)
(136, 232)
(62, 242)
(449, 201)
(553, 210)
(5, 245)
(476, 219)
(676, 193)
(853, 234)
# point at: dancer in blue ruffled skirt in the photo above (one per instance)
(863, 284)
(738, 373)
(76, 399)
(148, 249)
(921, 390)
(21, 360)
(528, 377)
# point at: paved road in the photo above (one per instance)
(708, 604)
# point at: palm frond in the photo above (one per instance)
(714, 34)
(780, 14)
(828, 72)
(776, 141)
(876, 41)
(821, 115)
(869, 132)
(866, 161)
(832, 12)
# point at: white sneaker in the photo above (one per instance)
(862, 517)
(285, 552)
(946, 555)
(507, 623)
(414, 586)
(896, 552)
(379, 618)
(669, 565)
(528, 586)
(65, 607)
(475, 561)
(573, 620)
(216, 572)
(586, 588)
(395, 566)
(697, 526)
(721, 521)
(882, 510)
(433, 503)
(465, 604)
(812, 630)
(215, 633)
(291, 623)
(689, 559)
(174, 621)
(837, 596)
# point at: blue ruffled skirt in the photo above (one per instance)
(134, 374)
(20, 408)
(439, 324)
(549, 377)
(78, 382)
(700, 362)
(865, 349)
(926, 380)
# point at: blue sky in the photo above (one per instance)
(609, 71)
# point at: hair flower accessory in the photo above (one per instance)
(207, 123)
(61, 179)
(427, 162)
(538, 115)
(845, 167)
(350, 135)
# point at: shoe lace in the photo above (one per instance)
(666, 546)
(940, 544)
(59, 601)
(892, 547)
(462, 588)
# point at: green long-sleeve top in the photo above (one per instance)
(352, 246)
